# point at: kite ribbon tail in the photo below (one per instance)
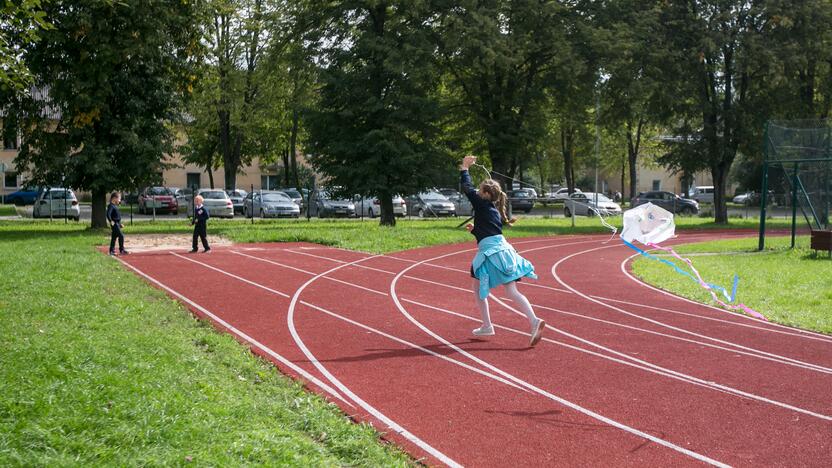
(711, 288)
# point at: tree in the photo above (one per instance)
(722, 65)
(503, 56)
(111, 77)
(374, 130)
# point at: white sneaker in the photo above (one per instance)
(484, 331)
(537, 332)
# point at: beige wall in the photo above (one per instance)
(646, 176)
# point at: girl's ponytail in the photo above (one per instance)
(502, 206)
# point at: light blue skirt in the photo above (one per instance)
(498, 263)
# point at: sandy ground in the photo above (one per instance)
(151, 242)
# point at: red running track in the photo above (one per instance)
(625, 375)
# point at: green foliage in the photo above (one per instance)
(111, 76)
(374, 130)
(21, 24)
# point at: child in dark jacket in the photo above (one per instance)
(114, 220)
(496, 262)
(200, 224)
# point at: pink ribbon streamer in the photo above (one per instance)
(705, 285)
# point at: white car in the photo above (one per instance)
(590, 204)
(57, 203)
(218, 202)
(371, 206)
(562, 194)
(703, 194)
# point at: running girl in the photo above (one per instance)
(496, 261)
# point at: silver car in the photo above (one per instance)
(461, 203)
(237, 196)
(588, 203)
(57, 203)
(371, 206)
(270, 204)
(322, 205)
(430, 204)
(218, 203)
(296, 196)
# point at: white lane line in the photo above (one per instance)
(290, 317)
(341, 317)
(748, 351)
(791, 331)
(533, 388)
(300, 371)
(785, 360)
(637, 363)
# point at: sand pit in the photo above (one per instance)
(152, 242)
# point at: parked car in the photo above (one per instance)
(747, 198)
(703, 194)
(461, 203)
(237, 196)
(296, 196)
(184, 197)
(430, 204)
(57, 203)
(580, 203)
(24, 196)
(669, 201)
(371, 206)
(270, 204)
(520, 200)
(322, 205)
(561, 194)
(160, 199)
(218, 203)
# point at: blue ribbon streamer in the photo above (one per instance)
(685, 273)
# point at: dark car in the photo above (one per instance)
(669, 201)
(237, 196)
(24, 196)
(520, 200)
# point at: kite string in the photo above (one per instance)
(711, 288)
(604, 222)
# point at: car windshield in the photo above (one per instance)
(520, 194)
(61, 195)
(159, 191)
(236, 193)
(276, 197)
(292, 193)
(214, 195)
(433, 196)
(601, 197)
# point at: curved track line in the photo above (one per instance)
(585, 411)
(794, 331)
(240, 334)
(637, 363)
(784, 360)
(290, 317)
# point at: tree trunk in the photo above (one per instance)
(210, 175)
(623, 173)
(286, 167)
(388, 218)
(720, 175)
(293, 148)
(568, 160)
(99, 209)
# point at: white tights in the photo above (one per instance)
(511, 291)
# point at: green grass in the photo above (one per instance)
(7, 210)
(791, 287)
(98, 368)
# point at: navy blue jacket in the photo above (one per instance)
(113, 215)
(487, 219)
(201, 216)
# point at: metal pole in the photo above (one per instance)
(794, 203)
(597, 140)
(153, 197)
(252, 204)
(66, 215)
(764, 196)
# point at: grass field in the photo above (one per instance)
(7, 210)
(98, 368)
(787, 286)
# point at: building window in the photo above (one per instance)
(657, 184)
(194, 179)
(9, 135)
(268, 182)
(10, 180)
